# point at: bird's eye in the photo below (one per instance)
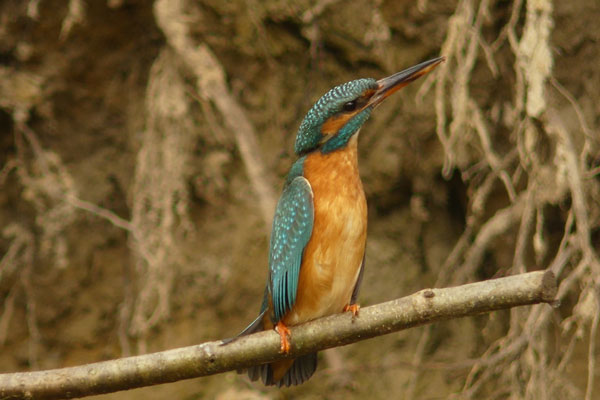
(349, 106)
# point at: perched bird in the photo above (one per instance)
(317, 246)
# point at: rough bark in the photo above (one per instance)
(423, 307)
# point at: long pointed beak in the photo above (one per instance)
(395, 82)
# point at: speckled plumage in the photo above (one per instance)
(319, 230)
(316, 252)
(309, 134)
(292, 227)
(341, 230)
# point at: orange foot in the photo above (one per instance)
(284, 335)
(352, 307)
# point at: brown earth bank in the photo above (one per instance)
(131, 220)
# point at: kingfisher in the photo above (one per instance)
(317, 246)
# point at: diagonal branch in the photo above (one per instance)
(423, 307)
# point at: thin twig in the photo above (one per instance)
(500, 223)
(101, 212)
(592, 346)
(578, 111)
(577, 190)
(7, 313)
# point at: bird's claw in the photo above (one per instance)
(354, 308)
(284, 335)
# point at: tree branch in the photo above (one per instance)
(423, 307)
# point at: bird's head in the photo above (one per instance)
(341, 112)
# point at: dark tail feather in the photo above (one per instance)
(302, 369)
(255, 326)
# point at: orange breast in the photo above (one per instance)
(334, 253)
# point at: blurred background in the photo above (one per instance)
(143, 146)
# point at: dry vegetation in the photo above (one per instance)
(141, 144)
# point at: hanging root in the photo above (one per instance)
(550, 165)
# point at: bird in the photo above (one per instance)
(319, 232)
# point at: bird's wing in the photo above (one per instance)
(292, 228)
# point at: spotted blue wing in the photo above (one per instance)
(292, 227)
